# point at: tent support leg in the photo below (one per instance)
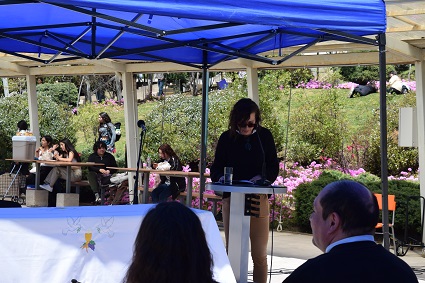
(383, 117)
(204, 121)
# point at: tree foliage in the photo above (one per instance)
(317, 129)
(54, 120)
(177, 121)
(399, 158)
(61, 93)
(364, 74)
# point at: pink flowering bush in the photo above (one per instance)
(315, 84)
(282, 206)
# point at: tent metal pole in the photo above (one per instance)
(383, 120)
(204, 126)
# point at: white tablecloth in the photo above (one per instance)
(54, 244)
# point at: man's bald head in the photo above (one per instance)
(354, 203)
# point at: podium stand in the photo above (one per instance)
(239, 223)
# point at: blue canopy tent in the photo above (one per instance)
(196, 33)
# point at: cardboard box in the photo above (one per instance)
(23, 147)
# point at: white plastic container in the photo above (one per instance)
(23, 147)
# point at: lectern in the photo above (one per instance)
(239, 223)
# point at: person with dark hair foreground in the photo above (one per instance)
(170, 247)
(169, 186)
(250, 149)
(343, 222)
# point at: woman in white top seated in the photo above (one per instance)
(67, 154)
(44, 152)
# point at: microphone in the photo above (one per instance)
(141, 124)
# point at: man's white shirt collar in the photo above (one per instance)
(350, 240)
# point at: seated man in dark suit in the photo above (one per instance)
(343, 223)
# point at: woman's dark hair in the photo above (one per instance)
(105, 117)
(354, 203)
(69, 147)
(170, 247)
(22, 125)
(48, 139)
(166, 148)
(241, 112)
(99, 144)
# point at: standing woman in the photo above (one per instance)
(67, 154)
(169, 186)
(250, 150)
(107, 131)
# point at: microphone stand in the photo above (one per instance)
(263, 181)
(136, 179)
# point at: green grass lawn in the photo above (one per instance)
(358, 111)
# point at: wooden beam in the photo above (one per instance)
(404, 49)
(406, 20)
(14, 68)
(405, 12)
(108, 64)
(405, 29)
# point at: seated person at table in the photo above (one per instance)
(99, 175)
(343, 222)
(67, 154)
(44, 152)
(169, 186)
(170, 247)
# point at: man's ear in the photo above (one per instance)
(334, 222)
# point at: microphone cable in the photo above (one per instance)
(272, 244)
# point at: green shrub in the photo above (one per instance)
(317, 128)
(399, 158)
(54, 120)
(60, 92)
(305, 194)
(177, 121)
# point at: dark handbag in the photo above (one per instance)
(103, 179)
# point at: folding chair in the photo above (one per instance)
(391, 208)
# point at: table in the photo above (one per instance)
(47, 244)
(239, 228)
(68, 166)
(172, 173)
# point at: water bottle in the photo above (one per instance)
(148, 162)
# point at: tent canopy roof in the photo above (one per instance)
(181, 31)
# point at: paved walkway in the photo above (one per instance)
(290, 250)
